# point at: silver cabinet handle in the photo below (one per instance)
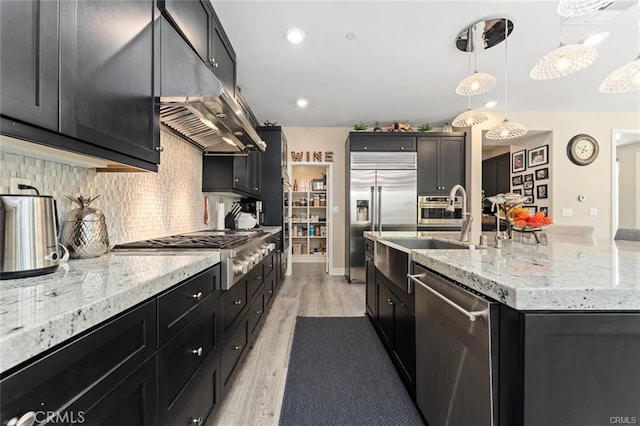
(213, 63)
(197, 296)
(258, 312)
(389, 302)
(373, 221)
(197, 351)
(270, 291)
(454, 305)
(237, 347)
(380, 209)
(160, 148)
(196, 421)
(259, 277)
(237, 302)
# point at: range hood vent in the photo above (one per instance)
(195, 105)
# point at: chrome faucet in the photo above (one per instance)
(466, 216)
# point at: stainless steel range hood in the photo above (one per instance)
(194, 103)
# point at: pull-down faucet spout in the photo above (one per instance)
(466, 216)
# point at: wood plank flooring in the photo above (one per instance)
(256, 395)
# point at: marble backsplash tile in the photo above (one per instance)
(136, 205)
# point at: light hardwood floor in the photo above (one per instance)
(256, 395)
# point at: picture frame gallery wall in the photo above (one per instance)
(530, 177)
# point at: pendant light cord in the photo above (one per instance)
(506, 62)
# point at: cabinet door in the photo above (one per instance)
(386, 313)
(29, 61)
(489, 184)
(503, 174)
(240, 168)
(254, 177)
(223, 58)
(381, 142)
(107, 75)
(404, 344)
(428, 183)
(451, 163)
(370, 290)
(191, 19)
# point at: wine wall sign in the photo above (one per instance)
(312, 156)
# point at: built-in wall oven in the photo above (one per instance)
(433, 214)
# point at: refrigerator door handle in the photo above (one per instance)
(379, 208)
(373, 210)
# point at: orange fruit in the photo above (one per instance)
(547, 220)
(539, 214)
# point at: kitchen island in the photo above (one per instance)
(523, 335)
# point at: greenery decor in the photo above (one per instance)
(360, 126)
(425, 127)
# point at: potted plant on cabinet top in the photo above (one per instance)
(360, 127)
(425, 127)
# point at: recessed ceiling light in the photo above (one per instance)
(302, 102)
(491, 104)
(595, 39)
(294, 35)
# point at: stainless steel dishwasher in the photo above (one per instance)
(454, 381)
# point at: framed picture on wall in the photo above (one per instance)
(518, 163)
(544, 210)
(528, 192)
(532, 209)
(542, 174)
(528, 178)
(541, 191)
(528, 185)
(517, 191)
(516, 180)
(529, 198)
(538, 156)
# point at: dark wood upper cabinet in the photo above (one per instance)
(107, 75)
(496, 176)
(441, 164)
(197, 22)
(29, 65)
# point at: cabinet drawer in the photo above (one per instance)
(269, 289)
(181, 304)
(203, 400)
(234, 303)
(101, 358)
(269, 263)
(232, 351)
(256, 312)
(183, 355)
(256, 280)
(382, 142)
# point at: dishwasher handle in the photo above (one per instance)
(471, 315)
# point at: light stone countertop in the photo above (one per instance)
(273, 230)
(38, 313)
(570, 275)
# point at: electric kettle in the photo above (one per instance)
(28, 235)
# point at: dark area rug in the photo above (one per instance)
(340, 374)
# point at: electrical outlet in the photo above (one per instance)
(593, 211)
(335, 209)
(567, 211)
(14, 182)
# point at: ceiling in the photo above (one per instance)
(403, 63)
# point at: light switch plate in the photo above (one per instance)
(335, 209)
(567, 212)
(593, 211)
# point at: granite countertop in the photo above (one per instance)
(563, 275)
(273, 230)
(38, 313)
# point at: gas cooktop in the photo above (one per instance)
(201, 239)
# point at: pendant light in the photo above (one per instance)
(564, 60)
(478, 82)
(469, 117)
(507, 129)
(570, 8)
(624, 79)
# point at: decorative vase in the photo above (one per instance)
(447, 128)
(85, 230)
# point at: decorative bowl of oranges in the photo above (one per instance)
(521, 220)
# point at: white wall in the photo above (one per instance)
(327, 139)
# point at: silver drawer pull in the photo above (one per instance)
(258, 312)
(196, 421)
(470, 315)
(259, 277)
(197, 296)
(237, 347)
(270, 265)
(197, 351)
(270, 291)
(237, 302)
(389, 302)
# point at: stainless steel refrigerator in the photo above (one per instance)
(381, 196)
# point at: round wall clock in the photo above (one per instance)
(582, 149)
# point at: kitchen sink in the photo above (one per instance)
(427, 243)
